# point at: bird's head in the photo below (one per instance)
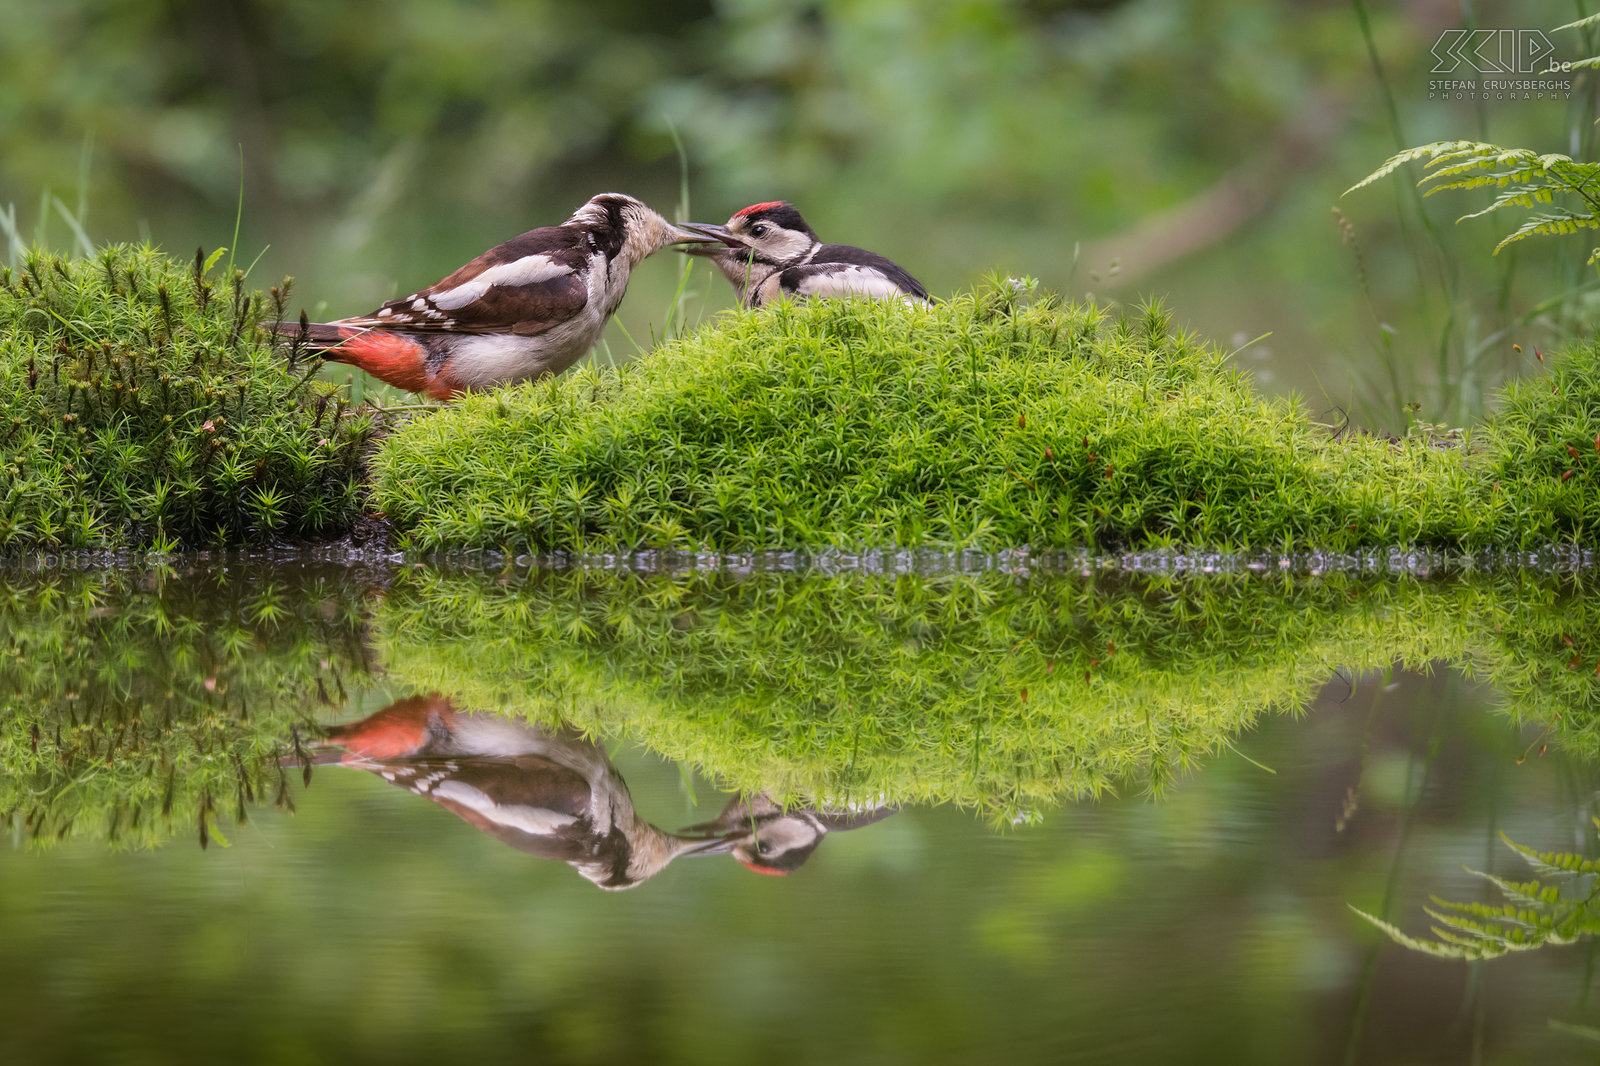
(773, 233)
(780, 845)
(633, 229)
(768, 839)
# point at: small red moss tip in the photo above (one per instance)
(753, 208)
(766, 871)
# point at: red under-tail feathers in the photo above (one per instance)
(399, 730)
(387, 355)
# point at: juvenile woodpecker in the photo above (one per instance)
(547, 792)
(770, 840)
(526, 308)
(768, 252)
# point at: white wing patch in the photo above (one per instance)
(529, 270)
(853, 281)
(535, 820)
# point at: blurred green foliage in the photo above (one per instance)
(1192, 149)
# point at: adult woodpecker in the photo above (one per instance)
(770, 840)
(768, 252)
(547, 792)
(526, 308)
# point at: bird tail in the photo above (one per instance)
(388, 355)
(312, 336)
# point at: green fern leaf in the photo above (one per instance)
(1524, 197)
(1580, 24)
(1549, 225)
(1428, 947)
(1436, 150)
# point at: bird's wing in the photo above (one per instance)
(841, 270)
(525, 286)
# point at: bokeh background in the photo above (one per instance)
(1194, 150)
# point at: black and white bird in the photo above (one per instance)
(768, 839)
(768, 252)
(548, 792)
(524, 309)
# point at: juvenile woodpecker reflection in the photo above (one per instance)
(551, 793)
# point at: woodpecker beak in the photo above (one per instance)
(708, 237)
(689, 233)
(713, 846)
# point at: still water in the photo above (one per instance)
(296, 811)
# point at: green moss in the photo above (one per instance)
(142, 407)
(984, 421)
(973, 689)
(136, 704)
(1543, 449)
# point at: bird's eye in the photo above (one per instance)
(763, 848)
(758, 230)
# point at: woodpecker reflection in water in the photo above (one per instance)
(548, 792)
(553, 794)
(768, 839)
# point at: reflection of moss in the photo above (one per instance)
(126, 694)
(982, 421)
(976, 689)
(134, 704)
(142, 406)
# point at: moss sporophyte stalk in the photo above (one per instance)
(144, 408)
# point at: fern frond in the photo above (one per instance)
(1488, 155)
(1473, 166)
(1450, 912)
(1436, 150)
(1427, 947)
(1549, 225)
(1565, 862)
(1577, 175)
(1529, 197)
(1499, 179)
(1534, 913)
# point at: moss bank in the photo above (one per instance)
(986, 421)
(141, 407)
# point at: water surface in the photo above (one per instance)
(1069, 813)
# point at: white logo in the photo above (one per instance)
(1492, 51)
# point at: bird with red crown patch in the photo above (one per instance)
(768, 252)
(524, 309)
(768, 839)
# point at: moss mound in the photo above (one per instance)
(986, 421)
(142, 407)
